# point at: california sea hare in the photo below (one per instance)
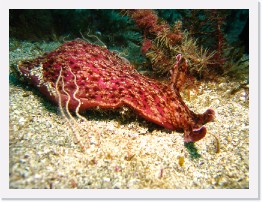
(80, 71)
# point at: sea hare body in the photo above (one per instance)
(90, 76)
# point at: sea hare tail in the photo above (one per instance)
(195, 135)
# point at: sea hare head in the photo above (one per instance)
(199, 131)
(208, 116)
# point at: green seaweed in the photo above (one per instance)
(192, 150)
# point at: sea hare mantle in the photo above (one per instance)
(91, 76)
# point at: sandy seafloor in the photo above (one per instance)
(123, 154)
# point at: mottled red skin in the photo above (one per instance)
(108, 81)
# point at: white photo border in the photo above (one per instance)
(251, 193)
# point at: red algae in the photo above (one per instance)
(99, 78)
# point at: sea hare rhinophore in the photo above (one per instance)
(91, 76)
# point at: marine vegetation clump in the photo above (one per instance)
(197, 56)
(162, 43)
(192, 150)
(218, 30)
(199, 35)
(237, 63)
